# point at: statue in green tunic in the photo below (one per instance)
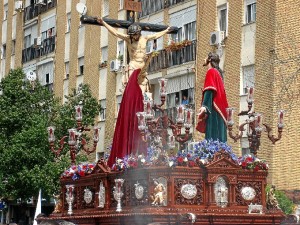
(212, 114)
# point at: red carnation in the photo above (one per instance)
(191, 164)
(244, 164)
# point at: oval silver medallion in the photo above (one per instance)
(188, 191)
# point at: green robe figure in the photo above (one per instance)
(212, 114)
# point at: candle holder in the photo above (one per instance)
(154, 130)
(255, 125)
(70, 198)
(118, 193)
(76, 141)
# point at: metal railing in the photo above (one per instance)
(33, 11)
(167, 59)
(33, 52)
(48, 46)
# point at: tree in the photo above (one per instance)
(26, 110)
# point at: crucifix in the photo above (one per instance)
(127, 139)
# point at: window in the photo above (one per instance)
(151, 6)
(67, 69)
(223, 17)
(104, 54)
(103, 110)
(13, 47)
(121, 4)
(68, 22)
(121, 50)
(81, 65)
(248, 77)
(177, 37)
(250, 11)
(27, 41)
(105, 10)
(4, 51)
(47, 78)
(5, 13)
(190, 31)
(119, 100)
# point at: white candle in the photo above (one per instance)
(280, 118)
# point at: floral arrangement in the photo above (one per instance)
(250, 162)
(174, 46)
(206, 149)
(77, 171)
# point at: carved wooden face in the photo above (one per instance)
(136, 36)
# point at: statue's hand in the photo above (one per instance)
(100, 20)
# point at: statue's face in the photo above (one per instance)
(136, 36)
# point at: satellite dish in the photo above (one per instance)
(31, 76)
(81, 8)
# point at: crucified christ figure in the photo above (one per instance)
(127, 138)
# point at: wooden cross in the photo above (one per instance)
(125, 24)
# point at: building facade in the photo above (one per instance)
(258, 45)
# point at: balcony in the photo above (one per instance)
(169, 3)
(34, 10)
(29, 54)
(48, 46)
(166, 59)
(33, 52)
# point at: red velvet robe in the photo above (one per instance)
(127, 138)
(214, 99)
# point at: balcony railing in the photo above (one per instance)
(169, 3)
(48, 46)
(34, 10)
(29, 54)
(167, 59)
(33, 52)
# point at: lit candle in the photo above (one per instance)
(96, 134)
(163, 84)
(72, 136)
(188, 116)
(280, 117)
(148, 107)
(250, 94)
(78, 110)
(258, 120)
(230, 116)
(180, 114)
(51, 137)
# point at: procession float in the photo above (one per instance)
(205, 183)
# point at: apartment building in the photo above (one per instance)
(258, 47)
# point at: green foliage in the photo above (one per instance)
(26, 110)
(285, 204)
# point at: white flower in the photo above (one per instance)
(185, 159)
(171, 163)
(143, 160)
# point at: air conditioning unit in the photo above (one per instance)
(19, 6)
(38, 42)
(114, 65)
(216, 37)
